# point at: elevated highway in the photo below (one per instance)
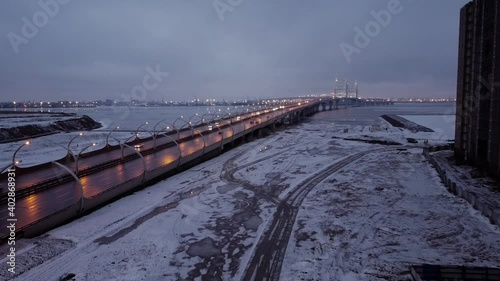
(50, 194)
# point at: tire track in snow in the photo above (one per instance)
(266, 262)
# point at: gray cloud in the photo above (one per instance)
(99, 49)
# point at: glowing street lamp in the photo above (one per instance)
(138, 128)
(186, 123)
(168, 128)
(79, 135)
(203, 116)
(194, 116)
(107, 137)
(15, 152)
(162, 132)
(159, 122)
(181, 118)
(79, 154)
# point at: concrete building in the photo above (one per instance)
(477, 137)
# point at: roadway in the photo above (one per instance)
(33, 178)
(153, 154)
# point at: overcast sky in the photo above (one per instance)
(96, 49)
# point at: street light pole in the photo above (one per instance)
(77, 180)
(189, 124)
(156, 134)
(203, 117)
(179, 118)
(173, 140)
(69, 152)
(5, 168)
(15, 152)
(190, 119)
(122, 145)
(180, 129)
(79, 154)
(162, 121)
(204, 142)
(138, 128)
(69, 143)
(107, 137)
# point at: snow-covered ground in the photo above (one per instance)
(53, 147)
(131, 117)
(367, 221)
(15, 120)
(48, 148)
(372, 220)
(441, 124)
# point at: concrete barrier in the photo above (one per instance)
(112, 193)
(458, 189)
(53, 220)
(487, 211)
(158, 172)
(471, 197)
(215, 146)
(226, 141)
(191, 157)
(239, 135)
(496, 217)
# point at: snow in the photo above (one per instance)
(17, 120)
(48, 148)
(441, 124)
(53, 147)
(131, 117)
(372, 221)
(368, 221)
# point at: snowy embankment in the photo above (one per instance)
(22, 127)
(367, 221)
(440, 124)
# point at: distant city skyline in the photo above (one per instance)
(193, 102)
(180, 50)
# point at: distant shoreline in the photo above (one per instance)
(34, 112)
